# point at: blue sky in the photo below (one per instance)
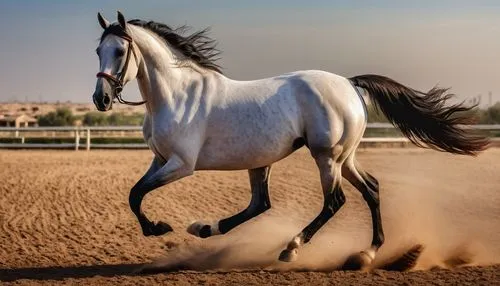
(47, 47)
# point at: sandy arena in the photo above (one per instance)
(65, 220)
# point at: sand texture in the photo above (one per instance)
(65, 219)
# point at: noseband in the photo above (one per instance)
(117, 81)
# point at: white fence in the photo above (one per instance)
(77, 134)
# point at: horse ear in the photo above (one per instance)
(121, 20)
(103, 22)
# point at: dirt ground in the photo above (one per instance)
(65, 220)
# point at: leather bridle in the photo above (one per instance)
(117, 81)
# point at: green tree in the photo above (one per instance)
(375, 115)
(95, 118)
(491, 115)
(61, 117)
(115, 119)
(122, 119)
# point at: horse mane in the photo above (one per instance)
(197, 46)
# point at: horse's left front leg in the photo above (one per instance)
(259, 203)
(156, 177)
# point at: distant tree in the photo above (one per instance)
(491, 115)
(375, 115)
(115, 119)
(95, 118)
(61, 117)
(122, 119)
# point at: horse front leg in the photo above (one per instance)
(158, 175)
(259, 179)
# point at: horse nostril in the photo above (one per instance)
(106, 100)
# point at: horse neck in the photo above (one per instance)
(160, 79)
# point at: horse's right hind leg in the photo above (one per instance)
(331, 177)
(369, 188)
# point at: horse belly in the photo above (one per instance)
(244, 153)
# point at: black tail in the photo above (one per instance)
(423, 117)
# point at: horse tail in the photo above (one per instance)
(423, 117)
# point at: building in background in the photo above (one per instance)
(18, 121)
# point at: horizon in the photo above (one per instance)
(47, 49)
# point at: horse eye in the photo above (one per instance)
(119, 53)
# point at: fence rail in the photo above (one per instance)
(77, 134)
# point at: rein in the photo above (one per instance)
(120, 76)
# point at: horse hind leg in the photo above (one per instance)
(369, 188)
(330, 173)
(260, 202)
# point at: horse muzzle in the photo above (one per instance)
(102, 100)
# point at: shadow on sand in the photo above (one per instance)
(401, 263)
(60, 273)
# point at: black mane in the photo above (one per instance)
(197, 46)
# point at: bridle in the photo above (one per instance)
(117, 81)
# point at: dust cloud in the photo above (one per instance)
(455, 218)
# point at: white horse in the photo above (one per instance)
(198, 119)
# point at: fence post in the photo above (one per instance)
(77, 139)
(88, 140)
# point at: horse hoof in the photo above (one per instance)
(162, 228)
(157, 229)
(360, 261)
(289, 255)
(200, 229)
